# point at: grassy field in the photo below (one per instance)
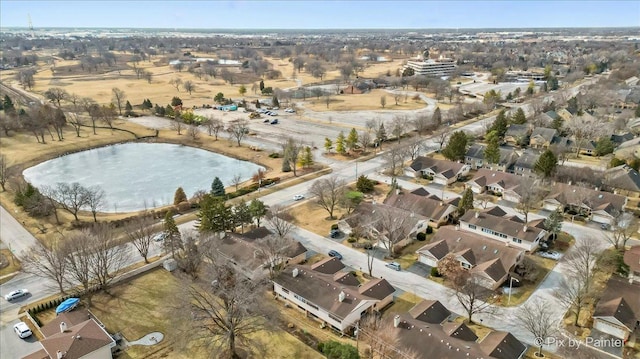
(365, 101)
(314, 218)
(143, 305)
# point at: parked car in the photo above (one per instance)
(289, 110)
(22, 329)
(276, 108)
(16, 294)
(275, 121)
(159, 237)
(550, 254)
(393, 265)
(335, 254)
(605, 226)
(334, 233)
(298, 197)
(266, 121)
(273, 114)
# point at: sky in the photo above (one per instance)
(327, 14)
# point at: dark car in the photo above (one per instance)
(274, 122)
(334, 233)
(335, 254)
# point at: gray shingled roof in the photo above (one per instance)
(623, 177)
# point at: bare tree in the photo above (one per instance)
(214, 126)
(530, 195)
(393, 157)
(474, 298)
(421, 123)
(383, 101)
(625, 225)
(278, 221)
(442, 136)
(380, 335)
(273, 250)
(193, 132)
(582, 260)
(537, 317)
(327, 99)
(399, 126)
(70, 197)
(4, 171)
(45, 262)
(107, 257)
(78, 252)
(190, 257)
(95, 200)
(140, 233)
(176, 82)
(224, 317)
(414, 147)
(290, 151)
(329, 193)
(573, 293)
(119, 98)
(365, 140)
(391, 229)
(236, 180)
(177, 125)
(238, 129)
(92, 109)
(56, 95)
(583, 129)
(189, 86)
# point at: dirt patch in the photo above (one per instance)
(365, 101)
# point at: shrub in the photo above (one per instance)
(275, 155)
(421, 236)
(435, 273)
(183, 207)
(334, 226)
(351, 239)
(320, 347)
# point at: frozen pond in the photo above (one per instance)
(136, 176)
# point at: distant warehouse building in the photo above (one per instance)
(433, 68)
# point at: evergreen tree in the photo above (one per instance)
(381, 135)
(553, 223)
(168, 111)
(241, 214)
(328, 144)
(179, 196)
(500, 124)
(257, 209)
(340, 144)
(466, 203)
(492, 151)
(437, 117)
(352, 139)
(7, 105)
(364, 184)
(146, 105)
(457, 147)
(217, 188)
(128, 109)
(546, 164)
(306, 157)
(176, 101)
(275, 101)
(172, 240)
(214, 215)
(286, 167)
(519, 117)
(257, 103)
(261, 85)
(604, 146)
(557, 123)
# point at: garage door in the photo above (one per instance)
(609, 328)
(600, 219)
(427, 260)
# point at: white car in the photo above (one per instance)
(16, 294)
(22, 329)
(289, 110)
(298, 197)
(159, 237)
(550, 255)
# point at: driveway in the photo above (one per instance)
(14, 347)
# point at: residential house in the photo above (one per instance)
(373, 217)
(432, 339)
(494, 223)
(497, 183)
(517, 135)
(623, 179)
(437, 211)
(632, 259)
(73, 335)
(542, 137)
(621, 138)
(488, 260)
(243, 252)
(441, 171)
(475, 158)
(543, 119)
(525, 164)
(587, 147)
(331, 296)
(599, 206)
(618, 310)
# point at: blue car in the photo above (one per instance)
(335, 254)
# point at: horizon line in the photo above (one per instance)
(332, 28)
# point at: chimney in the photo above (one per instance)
(525, 228)
(295, 272)
(396, 321)
(63, 327)
(457, 227)
(341, 296)
(477, 214)
(59, 354)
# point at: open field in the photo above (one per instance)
(314, 218)
(365, 101)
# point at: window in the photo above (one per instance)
(285, 290)
(516, 240)
(465, 265)
(472, 226)
(334, 318)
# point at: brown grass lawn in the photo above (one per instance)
(143, 305)
(314, 218)
(365, 101)
(480, 330)
(519, 296)
(401, 304)
(14, 263)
